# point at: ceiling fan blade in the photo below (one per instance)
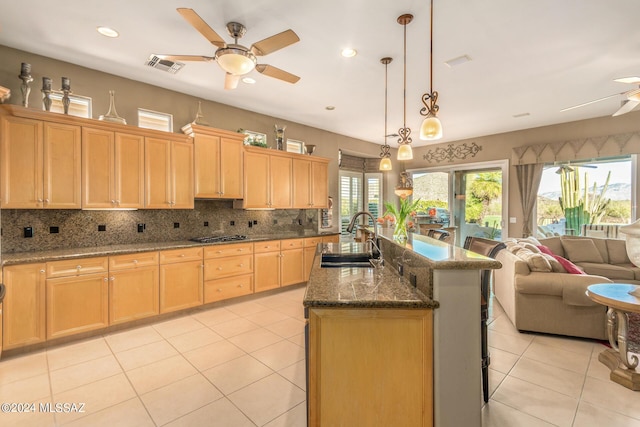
(203, 28)
(630, 79)
(626, 107)
(273, 43)
(592, 102)
(187, 58)
(271, 71)
(231, 81)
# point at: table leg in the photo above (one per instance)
(617, 329)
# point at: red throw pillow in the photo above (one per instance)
(568, 265)
(545, 250)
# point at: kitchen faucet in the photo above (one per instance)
(353, 222)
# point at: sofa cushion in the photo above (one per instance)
(613, 272)
(556, 266)
(535, 261)
(617, 250)
(600, 244)
(570, 287)
(582, 250)
(554, 244)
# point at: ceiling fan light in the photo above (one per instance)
(405, 152)
(431, 128)
(235, 61)
(385, 164)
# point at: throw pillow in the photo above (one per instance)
(556, 267)
(536, 262)
(533, 248)
(545, 250)
(570, 267)
(530, 239)
(582, 250)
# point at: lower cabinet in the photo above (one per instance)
(278, 263)
(181, 279)
(228, 271)
(292, 262)
(133, 287)
(310, 244)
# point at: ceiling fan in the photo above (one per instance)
(237, 60)
(631, 101)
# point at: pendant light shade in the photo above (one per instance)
(431, 128)
(385, 154)
(405, 152)
(385, 164)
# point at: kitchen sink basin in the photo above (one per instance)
(358, 260)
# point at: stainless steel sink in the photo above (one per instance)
(339, 260)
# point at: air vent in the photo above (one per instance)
(164, 64)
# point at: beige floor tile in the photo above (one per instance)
(180, 398)
(297, 339)
(84, 373)
(211, 355)
(279, 355)
(234, 327)
(554, 356)
(503, 324)
(267, 398)
(611, 396)
(255, 340)
(26, 390)
(194, 339)
(36, 418)
(547, 376)
(96, 396)
(577, 345)
(130, 413)
(245, 308)
(539, 402)
(146, 354)
(160, 374)
(597, 369)
(287, 328)
(274, 300)
(495, 414)
(178, 326)
(296, 373)
(593, 416)
(221, 413)
(296, 417)
(515, 344)
(292, 309)
(237, 373)
(125, 340)
(266, 317)
(502, 361)
(495, 379)
(22, 367)
(215, 316)
(83, 351)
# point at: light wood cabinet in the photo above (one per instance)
(228, 271)
(40, 163)
(332, 238)
(218, 164)
(133, 286)
(310, 246)
(181, 279)
(310, 181)
(168, 174)
(112, 169)
(280, 181)
(292, 262)
(77, 295)
(24, 305)
(268, 178)
(278, 263)
(378, 361)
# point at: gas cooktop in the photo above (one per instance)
(216, 239)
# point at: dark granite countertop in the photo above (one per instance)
(347, 287)
(94, 251)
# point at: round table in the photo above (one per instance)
(617, 297)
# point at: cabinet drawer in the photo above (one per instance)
(334, 238)
(291, 244)
(267, 246)
(181, 255)
(219, 251)
(312, 241)
(129, 261)
(217, 290)
(229, 266)
(75, 267)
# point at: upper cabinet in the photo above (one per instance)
(310, 181)
(112, 169)
(40, 163)
(218, 166)
(168, 174)
(267, 179)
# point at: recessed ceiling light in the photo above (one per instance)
(348, 52)
(249, 80)
(108, 32)
(330, 107)
(457, 61)
(515, 116)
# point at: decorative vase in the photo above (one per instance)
(400, 232)
(25, 76)
(112, 114)
(280, 138)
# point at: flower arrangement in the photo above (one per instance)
(403, 217)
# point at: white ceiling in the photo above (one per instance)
(528, 56)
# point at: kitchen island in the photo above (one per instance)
(382, 351)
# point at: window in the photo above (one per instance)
(295, 146)
(350, 197)
(608, 186)
(79, 106)
(155, 120)
(373, 194)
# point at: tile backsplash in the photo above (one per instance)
(55, 229)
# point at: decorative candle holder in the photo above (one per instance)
(112, 114)
(25, 76)
(46, 90)
(280, 137)
(66, 90)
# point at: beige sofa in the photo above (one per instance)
(555, 302)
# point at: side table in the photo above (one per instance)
(619, 301)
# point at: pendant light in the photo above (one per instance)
(404, 150)
(385, 155)
(431, 128)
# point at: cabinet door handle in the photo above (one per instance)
(240, 265)
(181, 255)
(135, 261)
(41, 271)
(112, 278)
(240, 285)
(39, 200)
(105, 279)
(113, 202)
(219, 268)
(78, 267)
(219, 290)
(218, 252)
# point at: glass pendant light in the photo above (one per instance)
(404, 150)
(431, 128)
(385, 155)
